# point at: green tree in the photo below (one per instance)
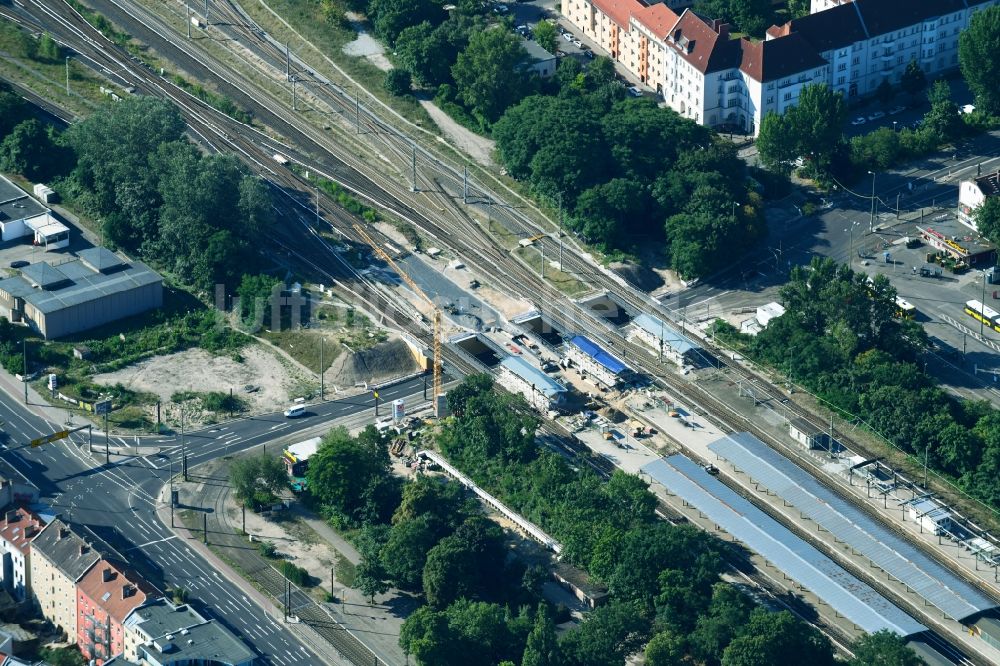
(798, 8)
(370, 576)
(546, 36)
(977, 48)
(817, 120)
(542, 648)
(666, 649)
(942, 120)
(778, 638)
(879, 149)
(63, 656)
(603, 211)
(48, 49)
(425, 635)
(776, 144)
(257, 479)
(728, 611)
(29, 151)
(256, 293)
(398, 82)
(404, 555)
(489, 74)
(390, 17)
(352, 478)
(749, 16)
(885, 92)
(13, 110)
(883, 648)
(987, 217)
(608, 636)
(914, 80)
(425, 51)
(468, 564)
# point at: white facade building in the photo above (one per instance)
(540, 390)
(705, 75)
(971, 195)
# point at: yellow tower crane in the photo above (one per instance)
(436, 317)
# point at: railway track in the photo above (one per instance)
(460, 233)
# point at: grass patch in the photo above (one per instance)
(303, 345)
(564, 282)
(344, 570)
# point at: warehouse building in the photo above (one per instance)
(664, 339)
(95, 288)
(592, 360)
(540, 390)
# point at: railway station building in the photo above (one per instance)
(540, 390)
(663, 339)
(595, 362)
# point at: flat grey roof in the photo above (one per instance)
(655, 327)
(845, 593)
(84, 284)
(536, 52)
(161, 617)
(15, 204)
(533, 376)
(209, 642)
(935, 583)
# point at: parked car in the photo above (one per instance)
(860, 120)
(577, 43)
(501, 9)
(876, 115)
(20, 263)
(896, 110)
(568, 37)
(588, 54)
(968, 108)
(635, 92)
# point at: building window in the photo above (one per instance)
(770, 100)
(842, 67)
(787, 96)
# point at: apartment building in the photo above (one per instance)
(705, 75)
(17, 529)
(60, 556)
(106, 596)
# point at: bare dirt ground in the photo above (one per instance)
(198, 370)
(366, 46)
(478, 147)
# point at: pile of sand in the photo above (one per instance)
(384, 361)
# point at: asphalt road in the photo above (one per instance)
(119, 502)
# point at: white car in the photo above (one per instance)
(635, 92)
(577, 43)
(876, 115)
(295, 411)
(501, 9)
(860, 120)
(567, 36)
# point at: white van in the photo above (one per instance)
(295, 411)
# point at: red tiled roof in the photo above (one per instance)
(619, 10)
(120, 594)
(701, 45)
(777, 58)
(658, 18)
(19, 526)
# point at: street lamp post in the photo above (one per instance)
(871, 222)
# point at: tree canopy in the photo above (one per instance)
(977, 48)
(257, 479)
(350, 476)
(777, 638)
(197, 216)
(883, 648)
(627, 170)
(489, 73)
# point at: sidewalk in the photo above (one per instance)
(36, 403)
